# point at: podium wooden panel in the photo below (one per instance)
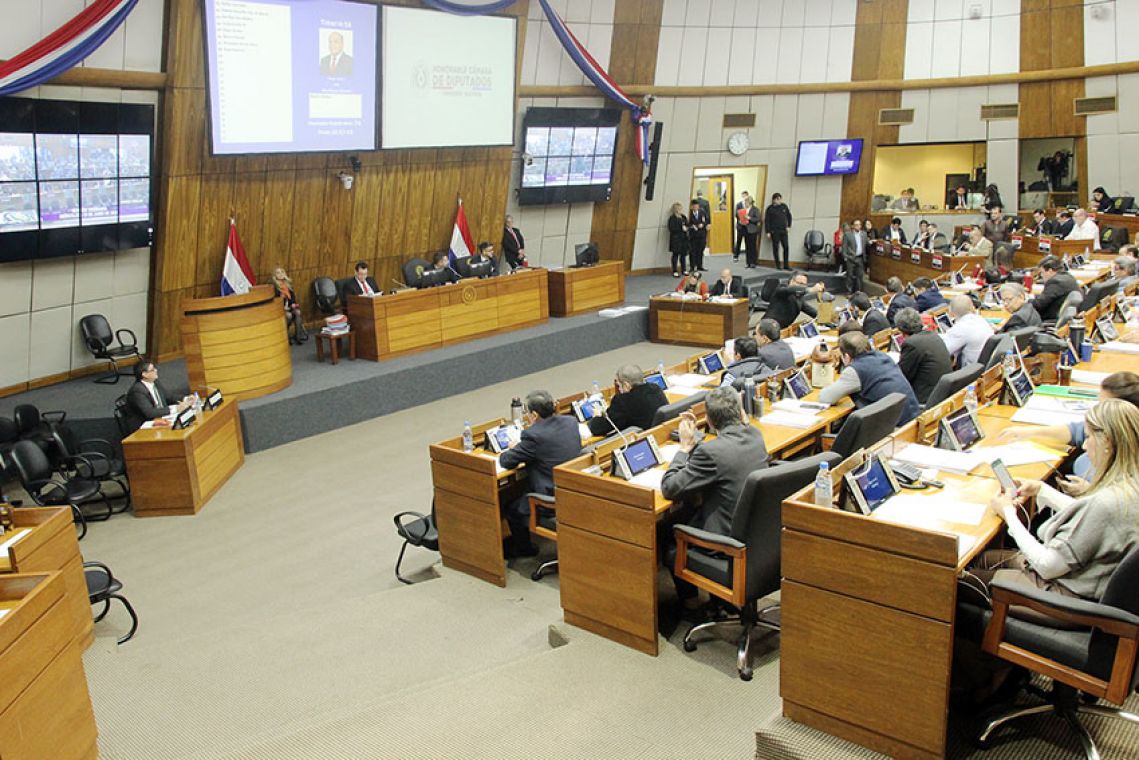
(909, 264)
(51, 546)
(175, 472)
(419, 320)
(239, 344)
(696, 323)
(45, 707)
(1032, 249)
(578, 290)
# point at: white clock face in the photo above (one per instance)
(738, 143)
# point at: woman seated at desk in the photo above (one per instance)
(693, 283)
(1077, 549)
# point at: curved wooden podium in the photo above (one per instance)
(238, 344)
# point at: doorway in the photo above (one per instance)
(723, 187)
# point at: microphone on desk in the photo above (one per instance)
(401, 283)
(608, 419)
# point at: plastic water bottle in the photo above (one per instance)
(749, 397)
(197, 405)
(971, 397)
(824, 495)
(468, 437)
(660, 367)
(516, 411)
(596, 389)
(1009, 362)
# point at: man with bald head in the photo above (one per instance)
(728, 285)
(1084, 228)
(337, 63)
(635, 403)
(969, 332)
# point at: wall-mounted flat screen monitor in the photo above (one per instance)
(567, 155)
(818, 158)
(291, 77)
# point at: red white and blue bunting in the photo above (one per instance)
(65, 47)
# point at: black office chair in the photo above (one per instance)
(543, 507)
(325, 292)
(121, 417)
(762, 300)
(818, 250)
(35, 473)
(1069, 308)
(95, 458)
(99, 339)
(671, 411)
(413, 271)
(342, 292)
(952, 383)
(744, 566)
(866, 426)
(36, 426)
(1094, 660)
(1113, 238)
(9, 435)
(420, 531)
(994, 350)
(102, 587)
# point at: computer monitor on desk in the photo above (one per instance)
(586, 254)
(484, 268)
(434, 277)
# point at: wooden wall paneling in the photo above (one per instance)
(1081, 151)
(184, 45)
(248, 207)
(178, 232)
(420, 206)
(309, 189)
(215, 204)
(183, 135)
(396, 207)
(335, 220)
(447, 185)
(366, 210)
(277, 215)
(1051, 36)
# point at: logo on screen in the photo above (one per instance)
(420, 76)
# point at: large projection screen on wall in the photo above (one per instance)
(448, 80)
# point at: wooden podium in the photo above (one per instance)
(576, 290)
(238, 344)
(696, 323)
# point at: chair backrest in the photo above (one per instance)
(342, 290)
(769, 287)
(413, 271)
(66, 442)
(27, 418)
(814, 241)
(324, 289)
(953, 382)
(97, 333)
(757, 520)
(626, 434)
(9, 431)
(994, 349)
(1120, 592)
(121, 414)
(866, 426)
(31, 463)
(669, 411)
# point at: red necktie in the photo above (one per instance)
(511, 230)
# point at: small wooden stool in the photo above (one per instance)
(334, 345)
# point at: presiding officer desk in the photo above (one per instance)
(908, 264)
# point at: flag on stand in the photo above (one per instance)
(236, 274)
(462, 245)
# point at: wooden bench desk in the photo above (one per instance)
(576, 290)
(692, 322)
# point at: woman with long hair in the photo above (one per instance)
(288, 296)
(678, 239)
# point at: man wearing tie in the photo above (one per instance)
(741, 225)
(854, 245)
(361, 284)
(147, 399)
(337, 63)
(513, 245)
(698, 223)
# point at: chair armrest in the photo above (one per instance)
(123, 343)
(58, 415)
(100, 566)
(99, 446)
(687, 536)
(398, 520)
(1113, 621)
(39, 490)
(83, 464)
(709, 540)
(546, 499)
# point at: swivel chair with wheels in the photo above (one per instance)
(952, 383)
(866, 426)
(818, 250)
(326, 293)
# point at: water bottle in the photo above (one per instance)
(197, 406)
(971, 397)
(596, 389)
(660, 367)
(824, 495)
(749, 398)
(773, 391)
(1009, 363)
(468, 437)
(516, 412)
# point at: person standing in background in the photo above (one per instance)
(854, 247)
(991, 199)
(678, 239)
(741, 224)
(777, 221)
(513, 245)
(751, 234)
(698, 223)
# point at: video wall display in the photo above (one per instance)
(74, 177)
(568, 155)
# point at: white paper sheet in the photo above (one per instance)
(649, 478)
(1013, 454)
(789, 419)
(940, 459)
(1088, 377)
(929, 511)
(1119, 347)
(11, 538)
(668, 451)
(811, 408)
(688, 380)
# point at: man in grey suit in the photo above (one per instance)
(774, 353)
(548, 440)
(854, 249)
(713, 472)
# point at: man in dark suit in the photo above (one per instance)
(925, 359)
(895, 233)
(634, 404)
(337, 63)
(900, 300)
(868, 376)
(926, 295)
(773, 352)
(548, 440)
(1057, 285)
(728, 285)
(147, 399)
(777, 221)
(937, 242)
(442, 263)
(1041, 224)
(788, 300)
(713, 472)
(855, 245)
(873, 321)
(741, 228)
(513, 245)
(484, 253)
(1063, 225)
(361, 284)
(1013, 298)
(698, 223)
(745, 363)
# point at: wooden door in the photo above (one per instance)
(721, 195)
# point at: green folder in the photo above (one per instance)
(1062, 391)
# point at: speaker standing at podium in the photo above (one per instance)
(147, 399)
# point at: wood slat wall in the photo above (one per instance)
(291, 210)
(636, 34)
(1051, 36)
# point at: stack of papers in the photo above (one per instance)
(1050, 410)
(811, 408)
(928, 457)
(649, 478)
(1088, 377)
(801, 347)
(1119, 347)
(688, 380)
(789, 419)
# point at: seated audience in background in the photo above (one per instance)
(1041, 224)
(868, 376)
(926, 295)
(991, 198)
(1121, 385)
(868, 228)
(1083, 228)
(978, 244)
(284, 287)
(1101, 201)
(996, 227)
(708, 475)
(959, 198)
(905, 201)
(693, 282)
(921, 240)
(147, 399)
(727, 285)
(1123, 269)
(896, 233)
(513, 244)
(900, 299)
(1014, 300)
(871, 319)
(938, 243)
(1130, 249)
(746, 362)
(1057, 285)
(925, 359)
(789, 299)
(1064, 223)
(1076, 550)
(633, 405)
(773, 352)
(970, 330)
(362, 284)
(547, 440)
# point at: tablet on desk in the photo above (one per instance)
(710, 363)
(959, 431)
(1020, 386)
(1106, 329)
(944, 323)
(184, 419)
(586, 409)
(636, 458)
(501, 438)
(213, 401)
(808, 330)
(658, 380)
(797, 385)
(871, 484)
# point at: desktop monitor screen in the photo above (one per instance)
(640, 456)
(585, 254)
(824, 157)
